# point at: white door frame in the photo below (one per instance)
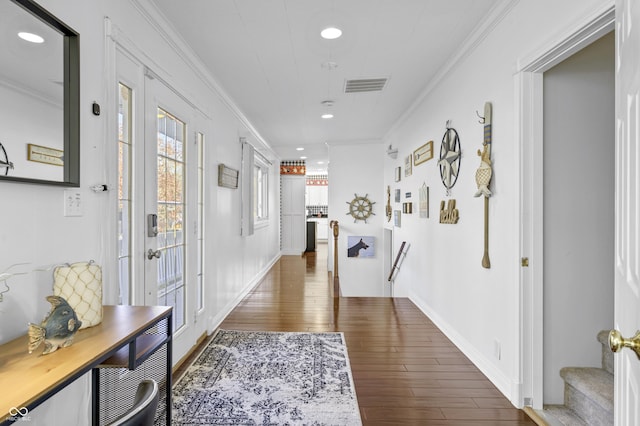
(529, 90)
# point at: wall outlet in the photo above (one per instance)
(72, 202)
(496, 349)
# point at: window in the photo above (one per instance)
(200, 229)
(124, 194)
(260, 190)
(255, 189)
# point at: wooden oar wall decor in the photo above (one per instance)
(483, 178)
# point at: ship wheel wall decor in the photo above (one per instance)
(360, 208)
(449, 158)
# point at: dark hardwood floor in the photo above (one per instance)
(406, 371)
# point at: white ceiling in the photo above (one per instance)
(270, 59)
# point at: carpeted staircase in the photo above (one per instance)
(588, 393)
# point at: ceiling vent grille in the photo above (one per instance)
(365, 85)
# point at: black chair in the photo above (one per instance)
(143, 411)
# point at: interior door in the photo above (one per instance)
(169, 274)
(627, 252)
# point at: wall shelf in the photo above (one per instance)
(136, 352)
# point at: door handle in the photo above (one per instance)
(151, 254)
(152, 225)
(617, 342)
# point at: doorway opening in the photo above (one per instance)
(317, 209)
(553, 160)
(578, 210)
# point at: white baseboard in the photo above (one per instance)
(497, 377)
(292, 252)
(216, 320)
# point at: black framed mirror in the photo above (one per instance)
(40, 92)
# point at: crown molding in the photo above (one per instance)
(572, 39)
(477, 36)
(347, 142)
(175, 41)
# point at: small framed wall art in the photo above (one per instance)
(424, 201)
(397, 218)
(422, 154)
(43, 154)
(361, 246)
(398, 173)
(408, 163)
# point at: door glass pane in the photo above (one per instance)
(124, 193)
(178, 216)
(162, 171)
(179, 142)
(170, 210)
(162, 133)
(178, 185)
(200, 272)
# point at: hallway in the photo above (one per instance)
(405, 370)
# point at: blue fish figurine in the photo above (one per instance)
(56, 329)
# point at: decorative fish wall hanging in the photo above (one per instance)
(483, 179)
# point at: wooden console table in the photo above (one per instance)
(27, 380)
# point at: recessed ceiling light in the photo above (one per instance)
(30, 37)
(300, 149)
(327, 116)
(331, 33)
(303, 157)
(320, 162)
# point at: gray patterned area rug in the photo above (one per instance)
(268, 378)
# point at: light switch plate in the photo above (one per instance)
(72, 202)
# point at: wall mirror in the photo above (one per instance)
(40, 95)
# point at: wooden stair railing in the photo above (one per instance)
(402, 253)
(335, 226)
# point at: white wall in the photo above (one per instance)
(357, 169)
(477, 308)
(35, 231)
(579, 133)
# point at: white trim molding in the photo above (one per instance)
(529, 129)
(583, 33)
(151, 14)
(497, 377)
(477, 36)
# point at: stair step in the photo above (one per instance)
(589, 392)
(607, 355)
(561, 415)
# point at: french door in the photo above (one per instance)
(161, 197)
(169, 155)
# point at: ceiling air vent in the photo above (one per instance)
(365, 85)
